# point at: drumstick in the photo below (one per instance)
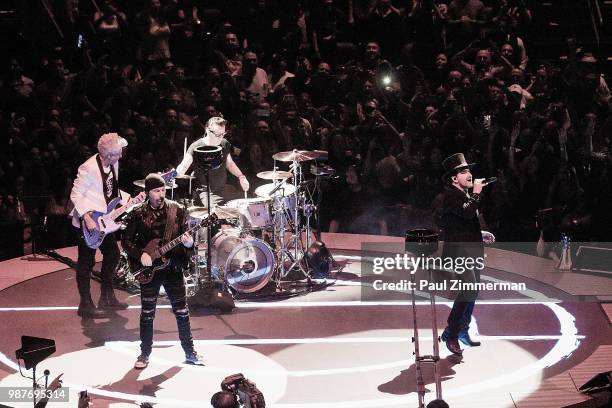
(245, 194)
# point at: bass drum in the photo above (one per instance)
(246, 262)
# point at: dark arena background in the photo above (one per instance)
(323, 133)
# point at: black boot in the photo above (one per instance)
(108, 301)
(88, 309)
(453, 346)
(465, 338)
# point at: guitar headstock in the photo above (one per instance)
(138, 199)
(169, 175)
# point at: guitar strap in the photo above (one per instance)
(170, 223)
(105, 179)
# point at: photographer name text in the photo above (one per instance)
(451, 284)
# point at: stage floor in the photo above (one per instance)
(329, 348)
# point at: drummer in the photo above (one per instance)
(220, 190)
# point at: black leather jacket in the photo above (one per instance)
(141, 229)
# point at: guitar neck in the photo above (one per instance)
(120, 210)
(170, 245)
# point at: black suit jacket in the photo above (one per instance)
(459, 224)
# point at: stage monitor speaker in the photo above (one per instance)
(600, 382)
(210, 296)
(591, 259)
(34, 350)
(599, 388)
(320, 260)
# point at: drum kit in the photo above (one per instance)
(262, 239)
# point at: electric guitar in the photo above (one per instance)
(157, 250)
(107, 222)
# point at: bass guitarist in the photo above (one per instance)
(160, 219)
(95, 186)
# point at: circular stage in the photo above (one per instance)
(327, 349)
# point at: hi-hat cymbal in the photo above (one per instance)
(296, 155)
(199, 213)
(184, 177)
(194, 208)
(141, 184)
(274, 175)
(224, 212)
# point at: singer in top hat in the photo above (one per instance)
(462, 236)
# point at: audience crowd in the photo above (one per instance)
(389, 88)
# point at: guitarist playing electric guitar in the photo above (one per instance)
(160, 220)
(95, 187)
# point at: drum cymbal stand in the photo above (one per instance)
(419, 359)
(309, 211)
(282, 251)
(293, 249)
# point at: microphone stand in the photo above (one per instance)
(420, 241)
(318, 206)
(207, 158)
(208, 231)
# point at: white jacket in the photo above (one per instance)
(87, 191)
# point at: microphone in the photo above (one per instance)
(488, 181)
(275, 189)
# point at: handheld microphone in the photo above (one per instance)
(488, 181)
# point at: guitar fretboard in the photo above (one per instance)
(133, 201)
(118, 211)
(168, 246)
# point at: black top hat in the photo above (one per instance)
(455, 163)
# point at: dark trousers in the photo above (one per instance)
(461, 313)
(87, 259)
(175, 289)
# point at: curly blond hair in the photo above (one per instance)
(110, 142)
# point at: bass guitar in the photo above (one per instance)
(157, 251)
(107, 222)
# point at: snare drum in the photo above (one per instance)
(255, 213)
(246, 262)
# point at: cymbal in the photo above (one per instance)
(141, 184)
(321, 154)
(224, 212)
(184, 177)
(199, 212)
(296, 155)
(274, 175)
(279, 191)
(195, 208)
